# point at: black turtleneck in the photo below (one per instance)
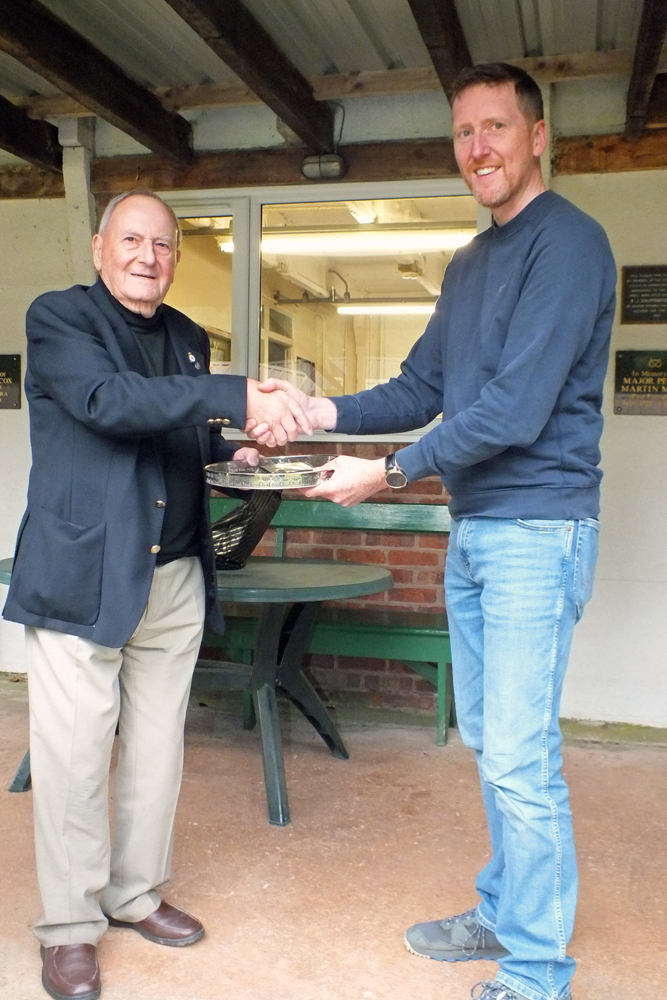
(177, 450)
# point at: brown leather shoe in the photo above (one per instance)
(167, 925)
(71, 970)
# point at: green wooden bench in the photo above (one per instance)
(418, 639)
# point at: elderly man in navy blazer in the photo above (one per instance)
(114, 578)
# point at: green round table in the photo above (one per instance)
(290, 592)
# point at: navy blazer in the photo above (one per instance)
(83, 562)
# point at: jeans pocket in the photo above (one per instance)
(59, 568)
(541, 524)
(584, 563)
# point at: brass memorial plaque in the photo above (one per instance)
(10, 381)
(641, 383)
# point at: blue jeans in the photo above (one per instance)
(515, 590)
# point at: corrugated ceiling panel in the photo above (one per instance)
(530, 23)
(619, 23)
(493, 31)
(391, 26)
(17, 80)
(329, 25)
(148, 40)
(568, 27)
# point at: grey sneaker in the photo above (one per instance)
(494, 991)
(456, 939)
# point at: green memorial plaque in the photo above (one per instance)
(641, 383)
(10, 381)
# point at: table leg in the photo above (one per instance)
(22, 779)
(264, 691)
(296, 633)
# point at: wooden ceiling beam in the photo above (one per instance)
(337, 86)
(379, 161)
(656, 113)
(48, 46)
(231, 31)
(440, 28)
(34, 141)
(650, 39)
(610, 154)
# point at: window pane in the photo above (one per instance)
(202, 288)
(347, 287)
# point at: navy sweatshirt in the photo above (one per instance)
(514, 358)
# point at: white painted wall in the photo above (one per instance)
(618, 668)
(34, 258)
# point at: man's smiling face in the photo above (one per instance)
(497, 148)
(136, 254)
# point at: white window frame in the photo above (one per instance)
(245, 205)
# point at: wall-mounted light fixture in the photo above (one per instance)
(325, 167)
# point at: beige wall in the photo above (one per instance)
(34, 258)
(618, 668)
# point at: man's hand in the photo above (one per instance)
(319, 412)
(249, 455)
(278, 414)
(353, 480)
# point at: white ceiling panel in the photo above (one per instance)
(530, 23)
(17, 80)
(330, 26)
(493, 31)
(148, 40)
(619, 23)
(568, 26)
(391, 26)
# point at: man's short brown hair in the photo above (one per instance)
(528, 94)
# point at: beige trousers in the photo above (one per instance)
(79, 690)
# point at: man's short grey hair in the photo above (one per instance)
(145, 193)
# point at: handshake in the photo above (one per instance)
(278, 412)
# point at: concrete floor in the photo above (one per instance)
(316, 910)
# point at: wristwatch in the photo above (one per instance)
(394, 476)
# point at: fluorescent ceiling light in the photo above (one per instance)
(399, 309)
(359, 244)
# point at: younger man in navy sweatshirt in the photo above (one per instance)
(514, 357)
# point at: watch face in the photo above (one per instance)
(394, 477)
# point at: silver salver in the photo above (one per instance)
(286, 472)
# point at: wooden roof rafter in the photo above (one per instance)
(440, 27)
(35, 37)
(650, 39)
(231, 31)
(34, 141)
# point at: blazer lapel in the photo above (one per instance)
(188, 352)
(191, 362)
(126, 342)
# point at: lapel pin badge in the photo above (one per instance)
(192, 359)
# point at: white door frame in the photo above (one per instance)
(245, 206)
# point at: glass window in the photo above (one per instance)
(202, 287)
(347, 286)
